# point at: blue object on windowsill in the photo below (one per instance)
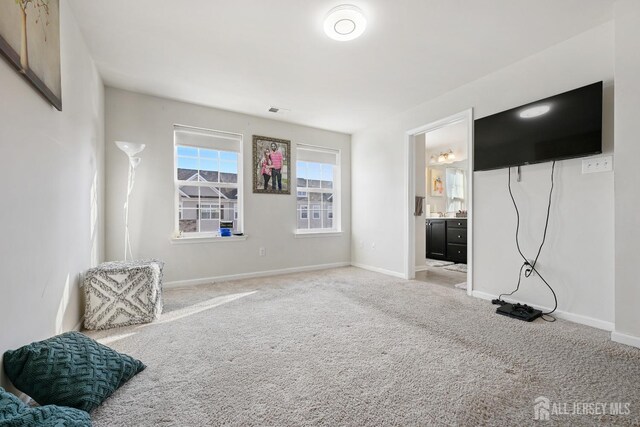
(225, 232)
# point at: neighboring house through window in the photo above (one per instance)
(209, 211)
(318, 189)
(208, 180)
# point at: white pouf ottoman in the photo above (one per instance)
(123, 293)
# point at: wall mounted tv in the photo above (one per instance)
(559, 127)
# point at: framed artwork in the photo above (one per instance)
(271, 165)
(437, 182)
(30, 42)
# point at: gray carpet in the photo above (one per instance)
(351, 347)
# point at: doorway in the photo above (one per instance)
(440, 209)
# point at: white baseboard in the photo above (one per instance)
(378, 270)
(625, 339)
(252, 275)
(572, 317)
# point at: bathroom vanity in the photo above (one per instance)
(447, 239)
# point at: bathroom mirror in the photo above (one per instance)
(456, 189)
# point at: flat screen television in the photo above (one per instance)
(559, 127)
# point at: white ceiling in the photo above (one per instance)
(245, 55)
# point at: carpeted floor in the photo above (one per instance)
(440, 276)
(352, 347)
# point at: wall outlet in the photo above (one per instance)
(597, 164)
(262, 252)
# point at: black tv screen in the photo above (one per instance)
(559, 127)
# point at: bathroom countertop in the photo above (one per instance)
(443, 217)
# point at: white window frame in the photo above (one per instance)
(336, 191)
(178, 208)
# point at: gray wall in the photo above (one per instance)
(269, 222)
(627, 218)
(578, 259)
(52, 170)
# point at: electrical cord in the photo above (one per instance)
(530, 268)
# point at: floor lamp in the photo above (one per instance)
(130, 149)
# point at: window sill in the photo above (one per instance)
(298, 234)
(206, 239)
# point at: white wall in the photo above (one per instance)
(627, 195)
(52, 174)
(421, 190)
(578, 258)
(269, 220)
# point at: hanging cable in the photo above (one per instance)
(530, 268)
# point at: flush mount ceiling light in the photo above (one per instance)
(345, 22)
(536, 111)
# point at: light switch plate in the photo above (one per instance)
(597, 164)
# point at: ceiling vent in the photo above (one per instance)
(278, 110)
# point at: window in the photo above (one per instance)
(318, 189)
(209, 211)
(208, 180)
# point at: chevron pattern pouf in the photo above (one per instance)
(13, 412)
(69, 370)
(123, 294)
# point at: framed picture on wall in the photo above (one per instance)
(437, 182)
(271, 165)
(30, 42)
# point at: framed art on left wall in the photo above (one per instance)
(30, 42)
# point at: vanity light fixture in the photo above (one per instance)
(443, 157)
(535, 111)
(345, 22)
(450, 156)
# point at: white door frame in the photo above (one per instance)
(410, 185)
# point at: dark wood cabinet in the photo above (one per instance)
(436, 239)
(447, 239)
